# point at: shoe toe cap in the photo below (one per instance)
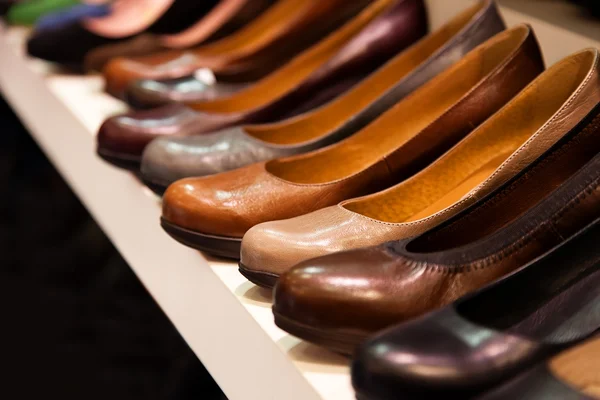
(165, 161)
(438, 353)
(196, 204)
(119, 73)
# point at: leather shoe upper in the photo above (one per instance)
(488, 157)
(385, 151)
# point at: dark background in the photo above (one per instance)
(76, 322)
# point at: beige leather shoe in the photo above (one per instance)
(495, 152)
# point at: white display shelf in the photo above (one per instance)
(226, 320)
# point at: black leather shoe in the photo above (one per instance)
(545, 383)
(500, 331)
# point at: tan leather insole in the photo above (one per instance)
(580, 367)
(516, 199)
(205, 27)
(481, 153)
(457, 193)
(402, 122)
(128, 18)
(256, 34)
(310, 126)
(287, 77)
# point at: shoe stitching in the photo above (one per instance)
(517, 245)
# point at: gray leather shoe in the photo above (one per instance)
(168, 159)
(148, 93)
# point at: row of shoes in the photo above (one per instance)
(427, 202)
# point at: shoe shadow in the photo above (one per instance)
(250, 293)
(313, 358)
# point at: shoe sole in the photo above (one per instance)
(266, 280)
(339, 343)
(157, 187)
(127, 162)
(220, 246)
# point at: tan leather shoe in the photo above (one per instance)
(285, 29)
(168, 159)
(212, 213)
(489, 156)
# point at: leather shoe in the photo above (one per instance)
(224, 18)
(168, 159)
(321, 73)
(571, 375)
(489, 156)
(277, 35)
(393, 147)
(395, 282)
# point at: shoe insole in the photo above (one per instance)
(314, 124)
(402, 122)
(128, 18)
(569, 155)
(293, 73)
(463, 188)
(475, 159)
(579, 368)
(555, 300)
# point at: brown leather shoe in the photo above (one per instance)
(326, 70)
(404, 139)
(166, 160)
(504, 329)
(284, 30)
(521, 219)
(484, 160)
(225, 18)
(147, 93)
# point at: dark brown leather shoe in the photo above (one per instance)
(321, 73)
(283, 31)
(571, 375)
(340, 299)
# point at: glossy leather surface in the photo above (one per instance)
(148, 93)
(489, 337)
(398, 281)
(321, 73)
(266, 43)
(69, 44)
(537, 384)
(224, 18)
(468, 171)
(169, 159)
(483, 25)
(232, 202)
